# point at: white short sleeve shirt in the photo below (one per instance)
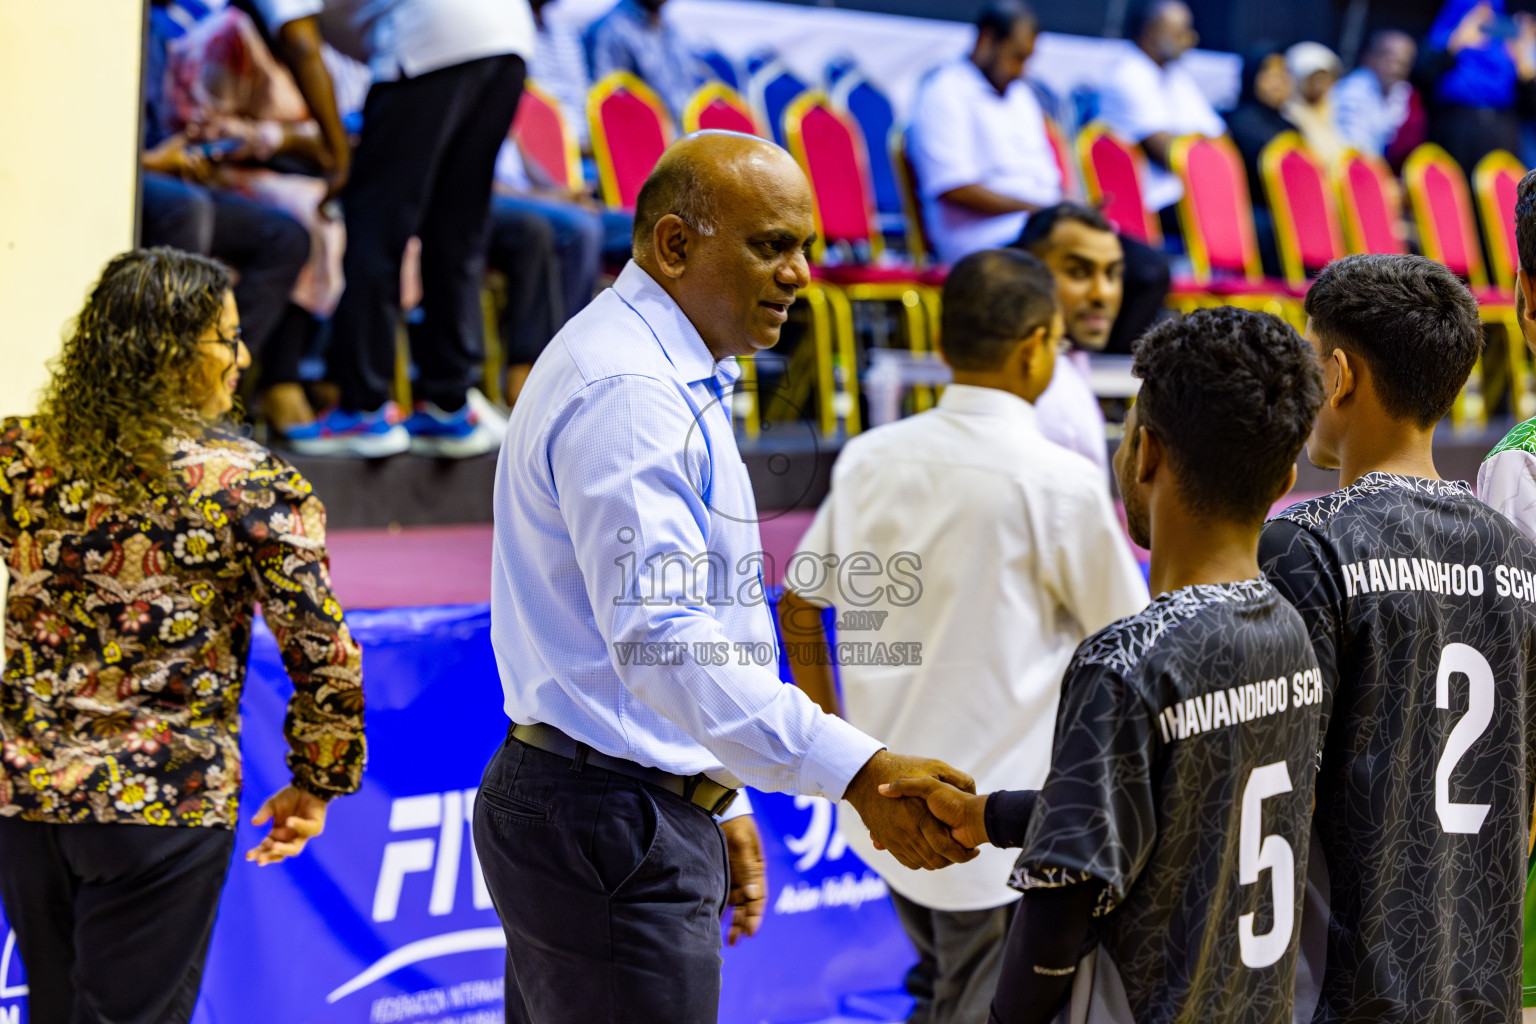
(964, 132)
(407, 38)
(967, 533)
(1139, 99)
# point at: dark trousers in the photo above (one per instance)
(610, 893)
(423, 168)
(266, 246)
(112, 921)
(960, 953)
(526, 247)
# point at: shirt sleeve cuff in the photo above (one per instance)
(739, 807)
(834, 758)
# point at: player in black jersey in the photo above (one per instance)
(1419, 599)
(1162, 864)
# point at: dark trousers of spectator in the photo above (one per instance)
(1146, 279)
(610, 892)
(577, 236)
(1471, 133)
(960, 953)
(423, 167)
(526, 246)
(265, 246)
(112, 921)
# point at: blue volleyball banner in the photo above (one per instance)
(385, 918)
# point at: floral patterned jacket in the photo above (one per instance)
(127, 632)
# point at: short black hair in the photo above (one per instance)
(1525, 222)
(1413, 322)
(1000, 16)
(1232, 394)
(1037, 230)
(679, 187)
(992, 300)
(1140, 13)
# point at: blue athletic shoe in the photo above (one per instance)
(357, 435)
(461, 434)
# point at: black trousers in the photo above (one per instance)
(610, 893)
(1146, 286)
(112, 921)
(265, 245)
(523, 248)
(423, 168)
(959, 955)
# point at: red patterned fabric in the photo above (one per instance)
(719, 115)
(1450, 214)
(541, 132)
(636, 139)
(1120, 190)
(1218, 194)
(1367, 194)
(1312, 210)
(837, 175)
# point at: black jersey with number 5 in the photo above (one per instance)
(1181, 778)
(1419, 599)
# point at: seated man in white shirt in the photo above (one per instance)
(1149, 98)
(1012, 555)
(1084, 254)
(977, 141)
(1371, 103)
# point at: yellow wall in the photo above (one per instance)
(69, 104)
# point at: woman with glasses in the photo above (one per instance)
(138, 533)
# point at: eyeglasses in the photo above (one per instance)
(233, 342)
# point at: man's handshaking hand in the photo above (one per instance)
(962, 810)
(908, 828)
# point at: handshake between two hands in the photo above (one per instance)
(924, 812)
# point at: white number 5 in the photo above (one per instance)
(1253, 857)
(1459, 658)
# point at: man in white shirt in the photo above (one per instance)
(1149, 98)
(1371, 102)
(977, 140)
(1085, 257)
(447, 75)
(625, 600)
(1010, 553)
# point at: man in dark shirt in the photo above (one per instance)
(1419, 600)
(1169, 841)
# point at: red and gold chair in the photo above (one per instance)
(631, 128)
(718, 107)
(1112, 174)
(1371, 204)
(1496, 183)
(829, 148)
(545, 139)
(1216, 216)
(1443, 211)
(1308, 228)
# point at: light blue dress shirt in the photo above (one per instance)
(619, 474)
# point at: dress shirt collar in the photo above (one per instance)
(969, 400)
(679, 339)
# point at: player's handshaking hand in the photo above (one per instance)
(965, 813)
(907, 828)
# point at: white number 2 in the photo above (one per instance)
(1255, 853)
(1459, 658)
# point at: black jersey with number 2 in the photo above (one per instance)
(1181, 778)
(1419, 599)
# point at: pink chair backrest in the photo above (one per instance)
(1314, 213)
(1216, 189)
(1115, 168)
(543, 136)
(637, 137)
(719, 115)
(834, 164)
(1375, 219)
(1450, 207)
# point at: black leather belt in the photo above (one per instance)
(697, 789)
